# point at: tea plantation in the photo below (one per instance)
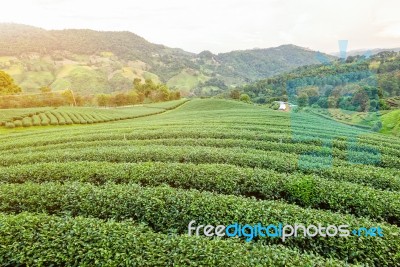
(10, 118)
(122, 192)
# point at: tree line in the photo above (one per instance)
(141, 92)
(357, 83)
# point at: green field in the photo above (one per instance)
(15, 118)
(389, 119)
(122, 193)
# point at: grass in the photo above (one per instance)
(391, 123)
(213, 161)
(186, 80)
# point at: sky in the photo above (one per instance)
(224, 25)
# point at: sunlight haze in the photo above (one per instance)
(221, 26)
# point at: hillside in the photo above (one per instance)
(124, 192)
(91, 61)
(14, 118)
(391, 122)
(356, 84)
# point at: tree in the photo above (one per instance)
(133, 97)
(374, 105)
(360, 100)
(7, 85)
(235, 94)
(137, 83)
(245, 98)
(383, 105)
(69, 97)
(323, 102)
(121, 99)
(312, 93)
(332, 102)
(175, 95)
(302, 100)
(103, 100)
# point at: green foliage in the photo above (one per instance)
(168, 209)
(213, 161)
(303, 190)
(235, 94)
(92, 242)
(94, 115)
(391, 122)
(36, 121)
(146, 92)
(302, 101)
(245, 98)
(377, 127)
(307, 191)
(350, 85)
(27, 122)
(44, 119)
(274, 106)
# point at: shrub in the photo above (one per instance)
(81, 119)
(60, 118)
(27, 122)
(67, 118)
(10, 125)
(36, 120)
(303, 190)
(44, 119)
(245, 98)
(170, 209)
(18, 123)
(53, 119)
(87, 118)
(92, 242)
(278, 161)
(307, 191)
(73, 118)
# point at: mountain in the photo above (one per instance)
(91, 61)
(361, 52)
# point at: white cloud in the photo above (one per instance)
(224, 25)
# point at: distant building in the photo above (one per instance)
(285, 106)
(282, 106)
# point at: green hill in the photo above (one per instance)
(14, 118)
(91, 61)
(124, 192)
(391, 122)
(342, 84)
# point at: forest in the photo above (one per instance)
(357, 83)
